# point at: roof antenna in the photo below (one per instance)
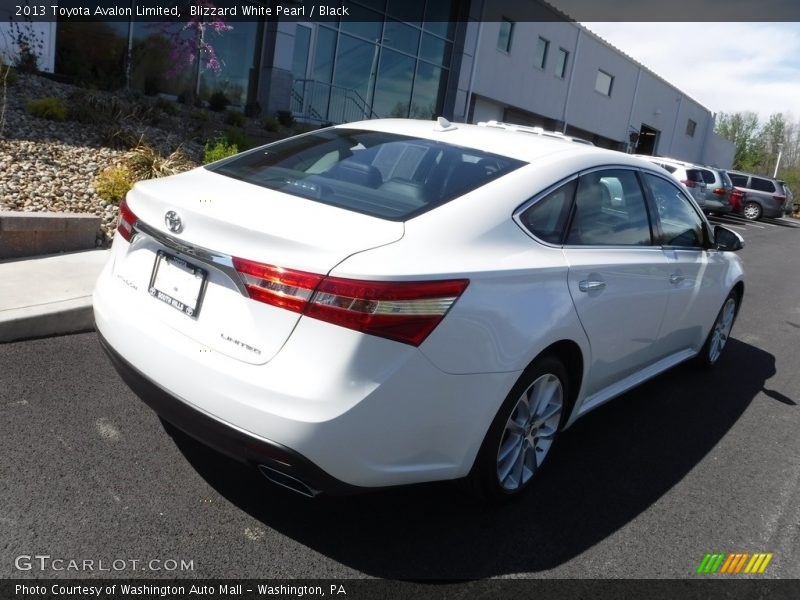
(443, 124)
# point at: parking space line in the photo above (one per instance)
(727, 224)
(744, 223)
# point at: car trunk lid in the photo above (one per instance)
(192, 227)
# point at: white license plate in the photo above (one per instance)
(177, 283)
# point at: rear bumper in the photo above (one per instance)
(224, 438)
(335, 405)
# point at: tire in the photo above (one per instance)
(519, 440)
(752, 211)
(720, 332)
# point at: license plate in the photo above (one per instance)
(177, 283)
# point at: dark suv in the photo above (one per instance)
(765, 197)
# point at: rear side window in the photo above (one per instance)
(708, 176)
(738, 180)
(726, 180)
(695, 175)
(762, 185)
(380, 174)
(609, 211)
(547, 218)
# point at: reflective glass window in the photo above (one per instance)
(680, 223)
(393, 87)
(427, 86)
(609, 210)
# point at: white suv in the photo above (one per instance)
(688, 174)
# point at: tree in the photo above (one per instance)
(742, 129)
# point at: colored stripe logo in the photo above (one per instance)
(734, 563)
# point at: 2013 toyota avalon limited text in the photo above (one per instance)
(395, 301)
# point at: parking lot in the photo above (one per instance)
(690, 463)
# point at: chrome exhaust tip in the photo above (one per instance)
(288, 482)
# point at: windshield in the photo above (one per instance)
(384, 175)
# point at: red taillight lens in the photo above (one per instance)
(779, 199)
(719, 191)
(127, 219)
(406, 311)
(280, 287)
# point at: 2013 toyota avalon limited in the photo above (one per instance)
(394, 301)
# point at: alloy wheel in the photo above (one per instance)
(722, 329)
(752, 211)
(529, 432)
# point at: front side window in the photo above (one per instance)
(610, 210)
(604, 83)
(384, 175)
(680, 224)
(540, 58)
(504, 37)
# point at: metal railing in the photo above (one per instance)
(313, 100)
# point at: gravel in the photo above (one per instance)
(49, 166)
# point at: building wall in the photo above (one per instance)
(719, 152)
(511, 77)
(501, 84)
(589, 109)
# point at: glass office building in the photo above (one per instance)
(389, 58)
(392, 62)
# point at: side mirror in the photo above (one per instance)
(727, 240)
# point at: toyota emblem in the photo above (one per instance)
(173, 222)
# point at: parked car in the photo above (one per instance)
(688, 174)
(737, 199)
(395, 301)
(765, 196)
(791, 206)
(718, 190)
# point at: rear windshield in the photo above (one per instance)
(380, 174)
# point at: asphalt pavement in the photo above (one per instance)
(692, 462)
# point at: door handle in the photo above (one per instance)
(676, 278)
(589, 285)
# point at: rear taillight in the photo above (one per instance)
(779, 199)
(405, 311)
(127, 219)
(284, 288)
(719, 191)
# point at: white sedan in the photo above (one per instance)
(392, 301)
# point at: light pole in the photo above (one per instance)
(778, 162)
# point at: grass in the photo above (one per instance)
(51, 108)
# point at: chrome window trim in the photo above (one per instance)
(516, 216)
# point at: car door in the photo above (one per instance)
(696, 270)
(618, 277)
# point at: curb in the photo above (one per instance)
(49, 295)
(58, 318)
